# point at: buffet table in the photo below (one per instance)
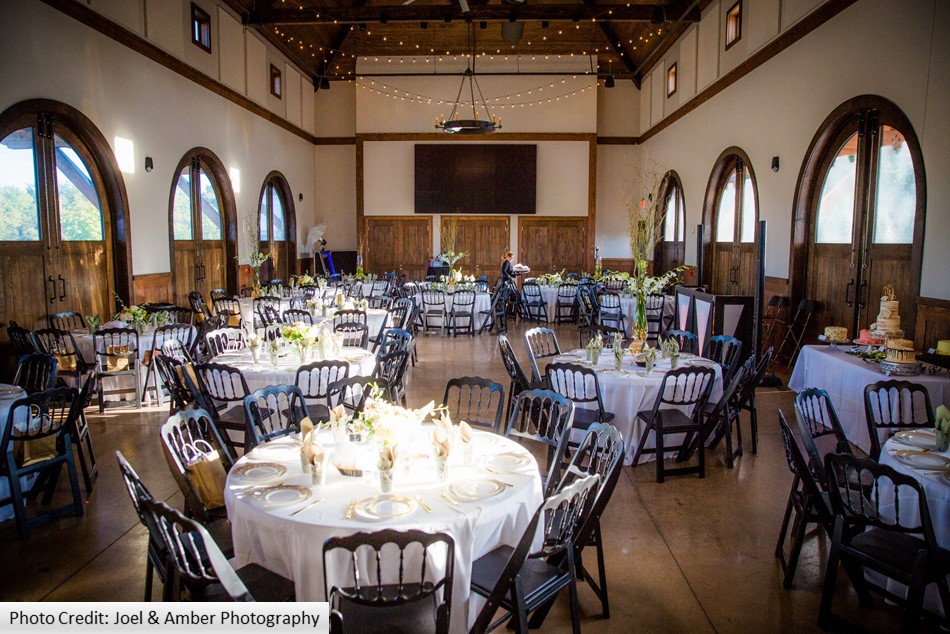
(844, 377)
(633, 389)
(280, 527)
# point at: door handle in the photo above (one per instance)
(866, 289)
(62, 295)
(847, 291)
(52, 282)
(204, 272)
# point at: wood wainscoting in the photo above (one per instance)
(933, 322)
(397, 243)
(623, 265)
(152, 288)
(550, 243)
(483, 238)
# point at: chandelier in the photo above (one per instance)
(455, 124)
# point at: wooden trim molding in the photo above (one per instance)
(334, 140)
(79, 12)
(618, 140)
(812, 21)
(591, 205)
(933, 322)
(478, 138)
(152, 288)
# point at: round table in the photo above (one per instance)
(480, 310)
(627, 304)
(937, 491)
(291, 544)
(632, 389)
(263, 373)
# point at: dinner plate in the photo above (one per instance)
(922, 459)
(486, 439)
(699, 361)
(384, 507)
(259, 472)
(280, 495)
(508, 461)
(475, 489)
(277, 450)
(925, 439)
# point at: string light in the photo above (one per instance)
(385, 90)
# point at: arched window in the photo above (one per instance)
(63, 215)
(670, 251)
(859, 211)
(202, 218)
(732, 211)
(278, 228)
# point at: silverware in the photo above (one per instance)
(350, 509)
(304, 508)
(448, 498)
(421, 501)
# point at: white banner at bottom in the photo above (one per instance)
(169, 618)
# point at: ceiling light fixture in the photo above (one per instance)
(455, 124)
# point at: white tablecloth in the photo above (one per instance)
(482, 303)
(292, 545)
(844, 377)
(627, 304)
(937, 492)
(6, 402)
(627, 392)
(362, 363)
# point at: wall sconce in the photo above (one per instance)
(148, 164)
(774, 163)
(300, 197)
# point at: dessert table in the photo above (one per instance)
(844, 377)
(283, 529)
(633, 389)
(936, 485)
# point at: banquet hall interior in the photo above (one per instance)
(724, 319)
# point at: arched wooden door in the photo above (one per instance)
(60, 195)
(202, 223)
(863, 191)
(278, 228)
(670, 251)
(731, 211)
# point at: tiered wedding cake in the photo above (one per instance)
(888, 321)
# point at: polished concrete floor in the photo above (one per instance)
(691, 554)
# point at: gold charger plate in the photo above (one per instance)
(922, 460)
(925, 439)
(475, 489)
(259, 472)
(508, 461)
(385, 507)
(280, 495)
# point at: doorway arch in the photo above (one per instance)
(202, 226)
(864, 153)
(277, 223)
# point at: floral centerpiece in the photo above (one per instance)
(300, 335)
(301, 280)
(551, 279)
(645, 217)
(133, 315)
(255, 258)
(385, 423)
(450, 232)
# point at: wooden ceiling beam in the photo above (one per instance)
(434, 13)
(619, 51)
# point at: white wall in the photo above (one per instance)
(776, 110)
(45, 54)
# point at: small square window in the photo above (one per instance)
(275, 81)
(671, 80)
(200, 27)
(733, 24)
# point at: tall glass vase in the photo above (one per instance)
(640, 326)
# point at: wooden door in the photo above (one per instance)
(732, 251)
(484, 238)
(198, 231)
(277, 229)
(400, 244)
(55, 226)
(670, 252)
(551, 244)
(863, 221)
